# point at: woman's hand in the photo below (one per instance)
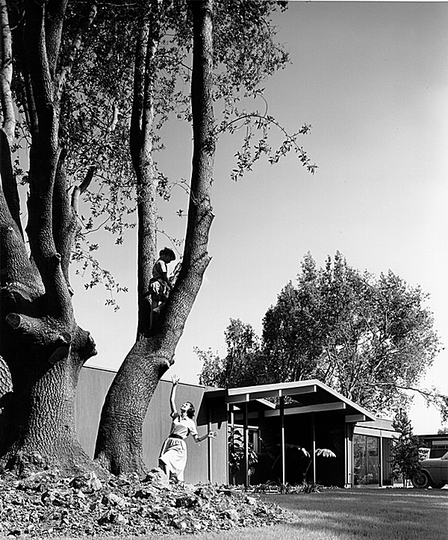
(175, 380)
(209, 435)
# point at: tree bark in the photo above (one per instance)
(119, 443)
(42, 346)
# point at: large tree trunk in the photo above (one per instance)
(44, 350)
(38, 420)
(119, 443)
(42, 347)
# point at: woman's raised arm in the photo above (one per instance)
(175, 380)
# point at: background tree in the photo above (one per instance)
(371, 339)
(236, 369)
(405, 452)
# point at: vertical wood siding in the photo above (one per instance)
(207, 461)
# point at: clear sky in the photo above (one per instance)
(372, 79)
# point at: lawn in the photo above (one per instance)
(370, 514)
(386, 514)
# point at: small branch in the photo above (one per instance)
(114, 121)
(79, 190)
(188, 68)
(100, 226)
(432, 397)
(56, 343)
(248, 155)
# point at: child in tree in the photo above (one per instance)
(160, 285)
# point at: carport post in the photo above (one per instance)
(209, 447)
(231, 411)
(283, 441)
(313, 450)
(380, 461)
(246, 447)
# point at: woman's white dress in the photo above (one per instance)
(174, 450)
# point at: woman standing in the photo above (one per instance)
(173, 455)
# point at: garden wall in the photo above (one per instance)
(206, 462)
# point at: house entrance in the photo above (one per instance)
(366, 459)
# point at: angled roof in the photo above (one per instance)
(307, 396)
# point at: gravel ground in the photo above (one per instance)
(45, 505)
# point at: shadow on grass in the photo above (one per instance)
(386, 514)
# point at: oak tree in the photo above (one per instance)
(73, 100)
(42, 346)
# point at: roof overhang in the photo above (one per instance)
(306, 397)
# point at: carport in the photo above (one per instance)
(293, 399)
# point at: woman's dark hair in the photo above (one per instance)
(191, 410)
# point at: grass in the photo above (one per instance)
(387, 514)
(368, 514)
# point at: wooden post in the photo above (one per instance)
(282, 437)
(210, 448)
(232, 425)
(246, 447)
(380, 460)
(348, 461)
(313, 450)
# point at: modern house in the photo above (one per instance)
(276, 420)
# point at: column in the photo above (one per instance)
(282, 438)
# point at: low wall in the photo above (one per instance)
(207, 462)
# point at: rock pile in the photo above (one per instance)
(44, 505)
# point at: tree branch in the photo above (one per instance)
(141, 145)
(200, 214)
(79, 190)
(76, 45)
(139, 90)
(38, 65)
(9, 120)
(16, 271)
(53, 31)
(57, 343)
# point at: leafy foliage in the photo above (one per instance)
(96, 111)
(235, 369)
(236, 451)
(371, 339)
(405, 450)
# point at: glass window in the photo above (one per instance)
(366, 459)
